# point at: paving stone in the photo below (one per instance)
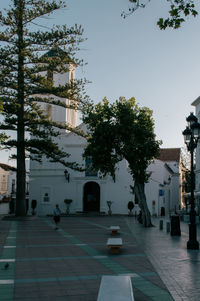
(68, 264)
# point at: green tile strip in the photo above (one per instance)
(149, 289)
(103, 227)
(54, 279)
(146, 287)
(73, 257)
(64, 245)
(67, 278)
(8, 256)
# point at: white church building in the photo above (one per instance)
(51, 183)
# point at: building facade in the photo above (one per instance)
(7, 187)
(51, 183)
(196, 104)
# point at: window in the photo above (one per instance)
(161, 192)
(46, 198)
(89, 171)
(13, 185)
(4, 184)
(45, 195)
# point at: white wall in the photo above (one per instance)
(49, 178)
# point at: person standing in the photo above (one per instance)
(56, 216)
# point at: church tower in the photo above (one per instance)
(58, 113)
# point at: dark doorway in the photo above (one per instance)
(91, 199)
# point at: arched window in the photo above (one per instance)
(90, 172)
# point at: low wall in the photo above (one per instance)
(4, 208)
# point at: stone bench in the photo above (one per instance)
(114, 229)
(115, 288)
(114, 244)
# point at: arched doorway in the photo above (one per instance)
(91, 198)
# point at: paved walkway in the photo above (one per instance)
(67, 264)
(178, 267)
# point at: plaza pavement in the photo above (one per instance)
(67, 264)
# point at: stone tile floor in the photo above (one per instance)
(67, 264)
(178, 267)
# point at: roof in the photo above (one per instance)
(169, 154)
(196, 101)
(7, 167)
(58, 52)
(172, 167)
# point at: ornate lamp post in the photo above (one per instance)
(191, 137)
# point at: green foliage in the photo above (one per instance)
(178, 11)
(33, 204)
(67, 201)
(28, 57)
(121, 130)
(130, 205)
(109, 203)
(1, 106)
(3, 138)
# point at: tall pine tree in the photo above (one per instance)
(24, 86)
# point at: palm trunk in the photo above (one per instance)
(146, 216)
(21, 170)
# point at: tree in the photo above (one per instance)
(3, 136)
(122, 130)
(24, 86)
(178, 11)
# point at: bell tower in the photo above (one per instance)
(57, 113)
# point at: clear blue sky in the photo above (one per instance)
(132, 57)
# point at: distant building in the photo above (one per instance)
(196, 104)
(8, 188)
(164, 187)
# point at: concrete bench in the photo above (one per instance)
(117, 288)
(114, 244)
(114, 229)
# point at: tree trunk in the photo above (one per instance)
(21, 170)
(146, 216)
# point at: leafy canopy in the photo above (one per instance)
(121, 130)
(178, 11)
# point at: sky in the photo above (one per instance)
(133, 57)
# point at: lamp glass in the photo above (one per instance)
(195, 132)
(187, 133)
(187, 138)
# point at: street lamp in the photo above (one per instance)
(191, 137)
(67, 175)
